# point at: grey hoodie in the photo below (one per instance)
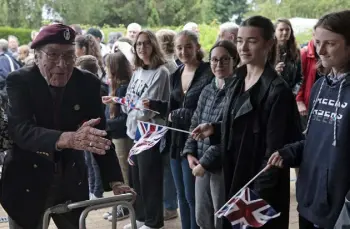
(146, 84)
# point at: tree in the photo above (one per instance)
(153, 16)
(225, 9)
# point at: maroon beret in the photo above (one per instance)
(54, 34)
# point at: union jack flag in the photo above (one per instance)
(126, 102)
(148, 135)
(247, 210)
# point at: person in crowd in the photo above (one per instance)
(191, 26)
(56, 21)
(228, 31)
(260, 116)
(8, 64)
(132, 30)
(127, 49)
(29, 61)
(23, 53)
(166, 41)
(112, 38)
(119, 72)
(98, 35)
(323, 181)
(205, 159)
(287, 60)
(90, 63)
(78, 30)
(87, 45)
(150, 80)
(13, 45)
(186, 85)
(309, 59)
(54, 115)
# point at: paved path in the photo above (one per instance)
(95, 220)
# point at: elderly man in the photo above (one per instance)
(132, 30)
(228, 31)
(13, 45)
(191, 26)
(55, 113)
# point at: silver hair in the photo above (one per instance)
(190, 26)
(4, 45)
(13, 37)
(134, 25)
(229, 27)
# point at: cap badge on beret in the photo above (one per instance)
(66, 34)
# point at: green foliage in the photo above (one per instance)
(208, 33)
(294, 8)
(153, 16)
(23, 35)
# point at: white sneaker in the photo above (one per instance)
(138, 225)
(106, 215)
(146, 227)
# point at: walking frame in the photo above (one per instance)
(124, 200)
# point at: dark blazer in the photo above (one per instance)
(29, 168)
(254, 126)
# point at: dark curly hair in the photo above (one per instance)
(91, 46)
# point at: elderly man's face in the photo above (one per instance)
(227, 35)
(132, 33)
(56, 63)
(13, 44)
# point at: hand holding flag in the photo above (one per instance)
(246, 209)
(125, 102)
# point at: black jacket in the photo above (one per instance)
(255, 124)
(117, 126)
(29, 168)
(292, 75)
(210, 106)
(182, 106)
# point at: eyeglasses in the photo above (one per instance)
(223, 60)
(144, 43)
(55, 57)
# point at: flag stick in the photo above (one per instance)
(139, 108)
(170, 128)
(245, 186)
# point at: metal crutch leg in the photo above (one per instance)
(89, 205)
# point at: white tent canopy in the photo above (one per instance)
(301, 25)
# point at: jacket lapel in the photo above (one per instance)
(41, 95)
(265, 81)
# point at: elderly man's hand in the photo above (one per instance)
(122, 189)
(86, 138)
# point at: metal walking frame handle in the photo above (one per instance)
(125, 200)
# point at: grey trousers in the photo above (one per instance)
(209, 199)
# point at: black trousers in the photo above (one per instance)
(305, 224)
(69, 220)
(147, 180)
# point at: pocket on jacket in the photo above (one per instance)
(313, 192)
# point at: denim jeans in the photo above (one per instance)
(169, 189)
(185, 187)
(95, 182)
